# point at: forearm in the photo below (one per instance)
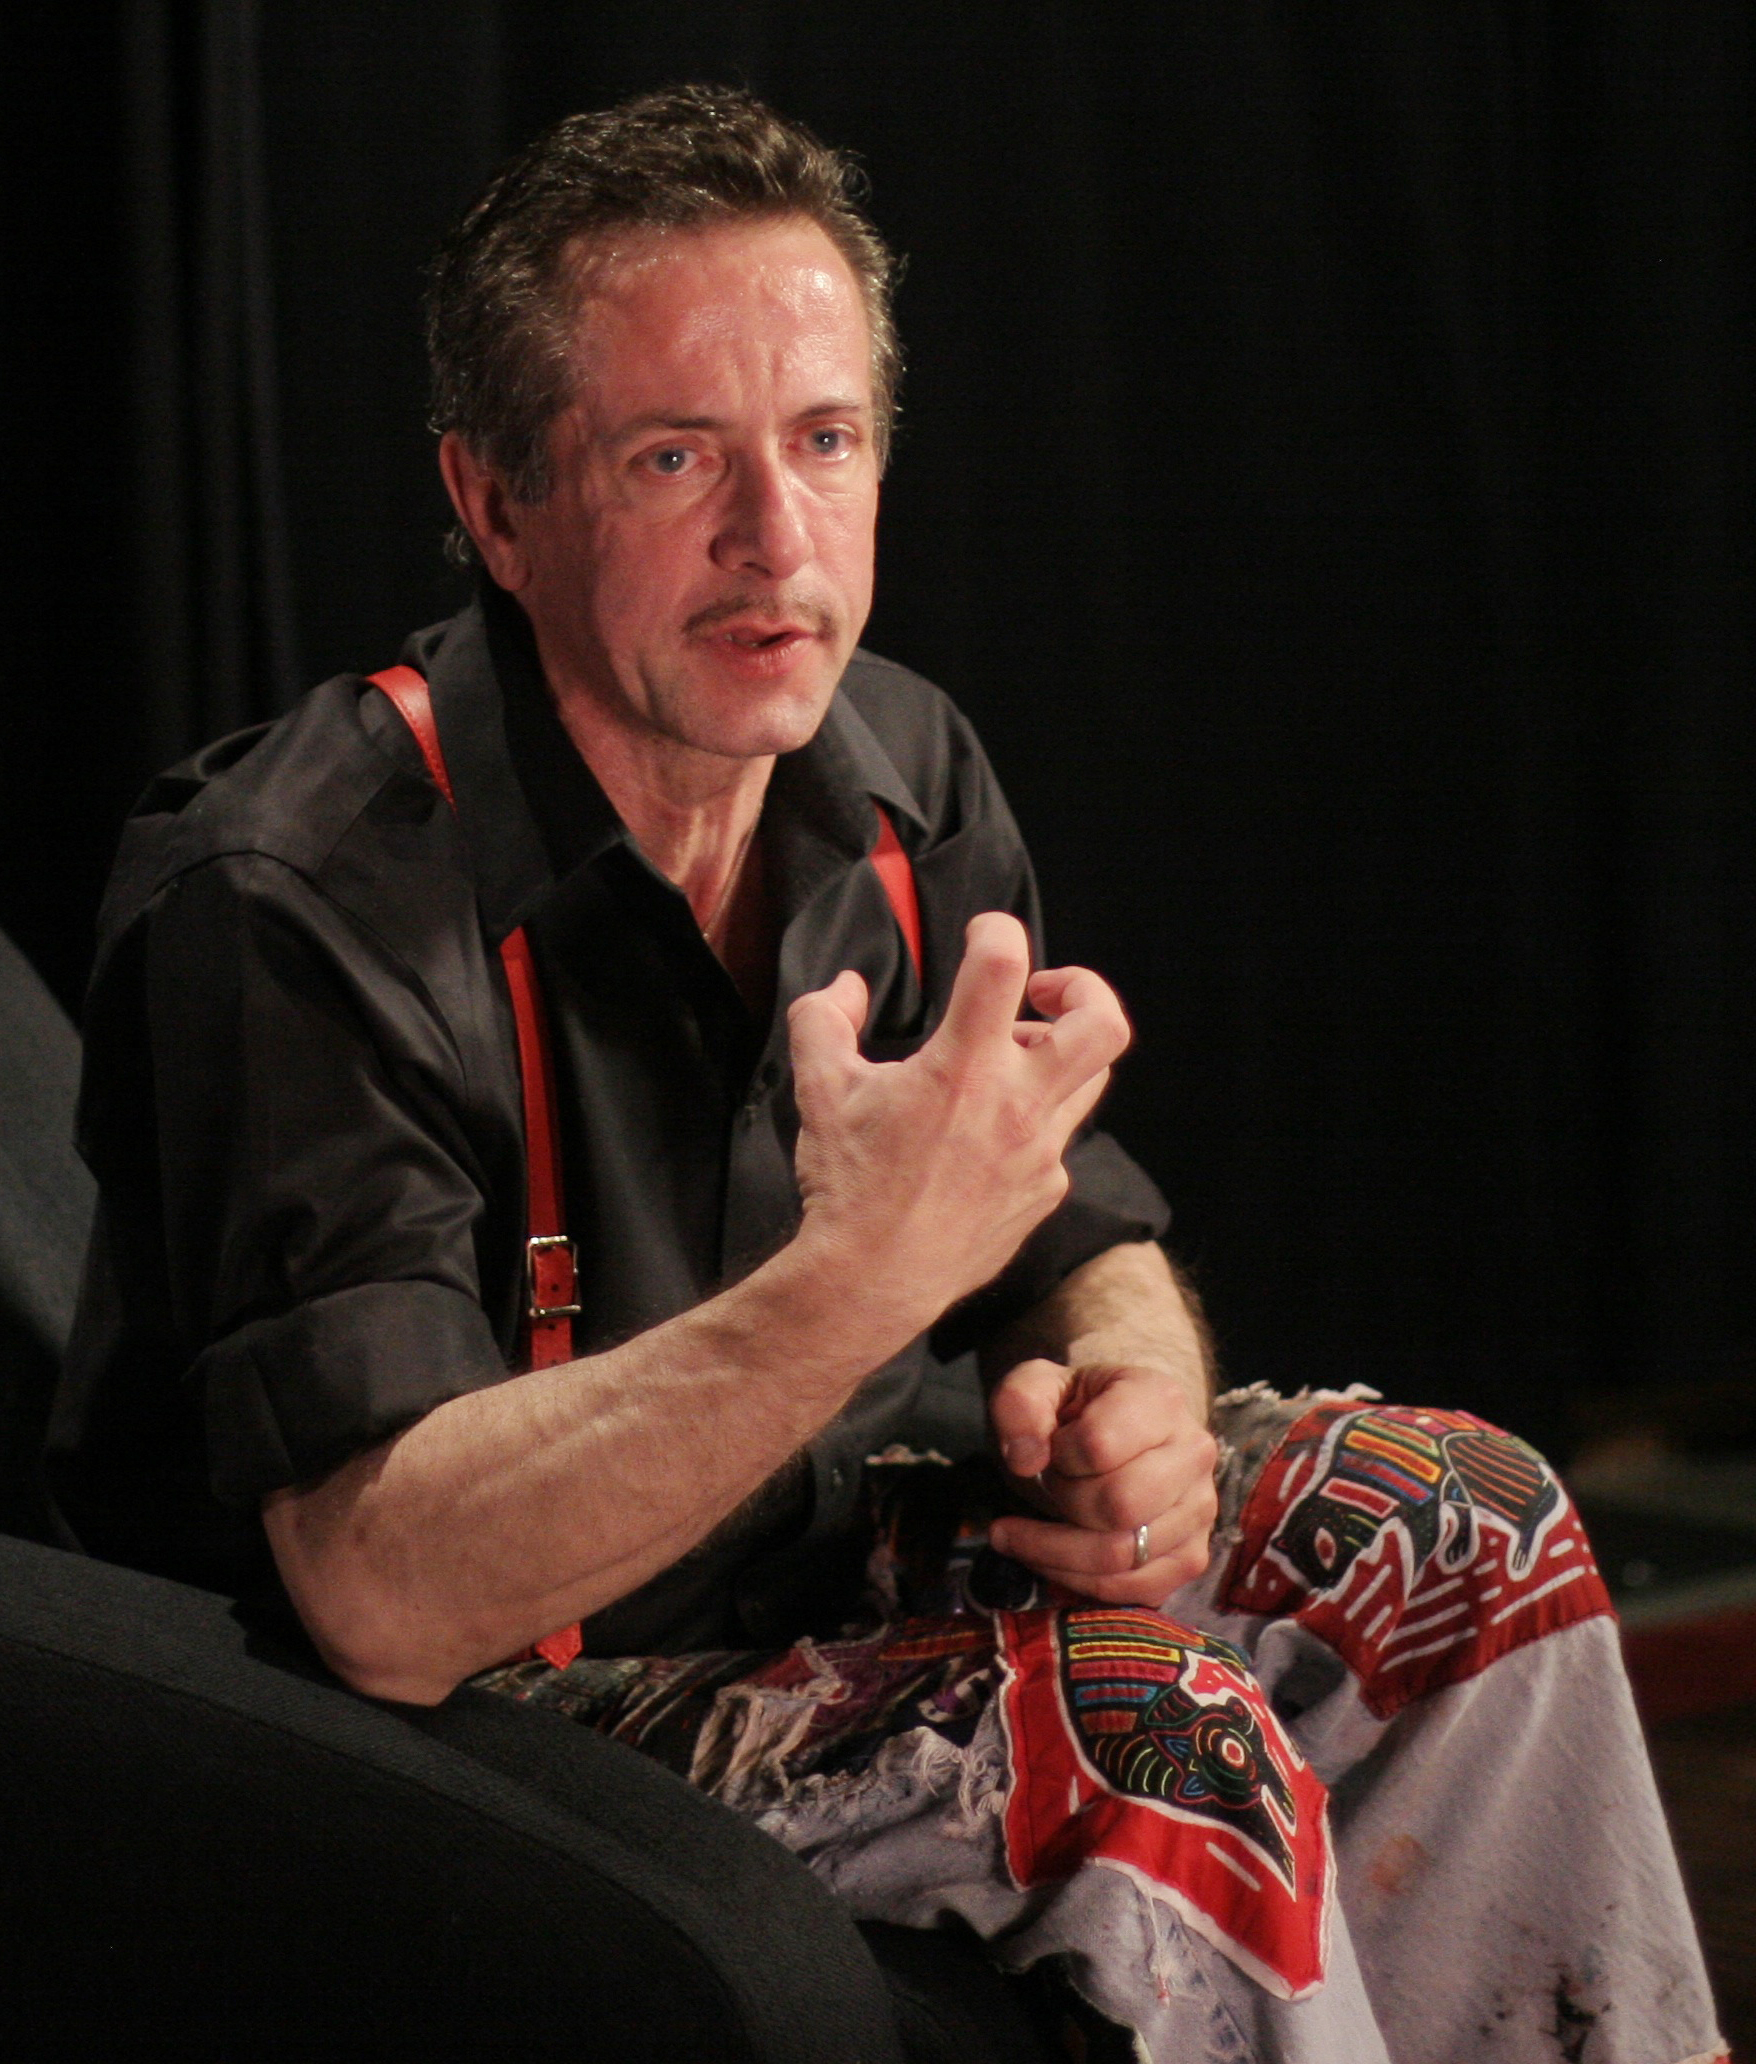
(1124, 1306)
(505, 1514)
(512, 1511)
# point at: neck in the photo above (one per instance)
(692, 813)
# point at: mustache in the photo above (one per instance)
(774, 609)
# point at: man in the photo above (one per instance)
(664, 377)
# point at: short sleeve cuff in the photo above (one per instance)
(290, 1398)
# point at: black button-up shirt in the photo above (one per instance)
(302, 1104)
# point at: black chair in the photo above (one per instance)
(45, 1209)
(212, 1851)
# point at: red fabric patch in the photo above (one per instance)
(1143, 1744)
(561, 1648)
(1422, 1546)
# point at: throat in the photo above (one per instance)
(742, 931)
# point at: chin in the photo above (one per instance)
(741, 725)
(761, 738)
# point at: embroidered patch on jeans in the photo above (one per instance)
(1142, 1744)
(1421, 1546)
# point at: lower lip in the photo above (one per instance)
(772, 662)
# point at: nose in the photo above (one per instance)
(765, 530)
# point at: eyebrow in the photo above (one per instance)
(658, 419)
(637, 426)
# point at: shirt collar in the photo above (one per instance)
(845, 764)
(531, 810)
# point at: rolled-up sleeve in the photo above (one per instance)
(322, 1199)
(288, 1399)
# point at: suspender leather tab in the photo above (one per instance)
(551, 1268)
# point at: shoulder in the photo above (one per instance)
(297, 796)
(302, 867)
(929, 741)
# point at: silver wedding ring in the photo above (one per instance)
(1142, 1553)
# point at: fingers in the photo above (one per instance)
(1090, 1030)
(1127, 1411)
(989, 988)
(1107, 1564)
(1128, 1450)
(1023, 1411)
(1069, 1058)
(1162, 1480)
(823, 1028)
(1174, 1504)
(1103, 1565)
(1072, 1112)
(1056, 991)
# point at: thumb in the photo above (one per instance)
(823, 1029)
(1024, 1410)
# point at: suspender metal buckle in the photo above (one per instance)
(551, 1273)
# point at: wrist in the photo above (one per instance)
(831, 1306)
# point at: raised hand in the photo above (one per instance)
(921, 1177)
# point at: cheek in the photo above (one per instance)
(847, 542)
(624, 580)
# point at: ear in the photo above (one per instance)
(487, 511)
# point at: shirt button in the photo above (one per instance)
(837, 1477)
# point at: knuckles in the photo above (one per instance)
(1101, 1449)
(1115, 1509)
(1017, 1123)
(993, 951)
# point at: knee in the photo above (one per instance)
(1347, 1473)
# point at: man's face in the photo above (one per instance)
(702, 567)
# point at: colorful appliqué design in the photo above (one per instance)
(1420, 1545)
(1145, 1745)
(1148, 1735)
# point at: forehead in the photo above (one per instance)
(751, 306)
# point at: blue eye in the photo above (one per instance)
(671, 460)
(829, 444)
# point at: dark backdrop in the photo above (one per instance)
(1325, 479)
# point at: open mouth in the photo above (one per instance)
(762, 651)
(754, 641)
(764, 641)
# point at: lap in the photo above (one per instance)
(1140, 1796)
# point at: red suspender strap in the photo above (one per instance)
(408, 691)
(551, 1262)
(897, 878)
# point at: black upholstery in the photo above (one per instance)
(45, 1210)
(210, 1850)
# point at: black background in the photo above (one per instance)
(1325, 479)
